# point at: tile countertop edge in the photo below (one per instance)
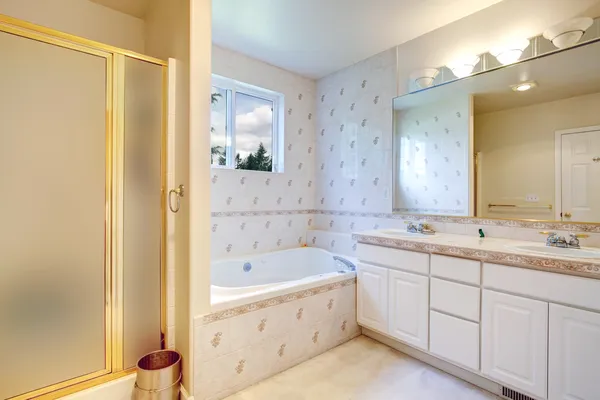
(548, 264)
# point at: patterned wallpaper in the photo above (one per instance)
(432, 161)
(257, 211)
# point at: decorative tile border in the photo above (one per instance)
(259, 213)
(275, 301)
(431, 210)
(510, 223)
(588, 269)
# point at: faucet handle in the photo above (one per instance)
(579, 235)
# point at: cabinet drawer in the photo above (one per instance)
(454, 298)
(458, 269)
(558, 288)
(454, 339)
(398, 259)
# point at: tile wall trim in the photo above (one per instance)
(587, 269)
(431, 210)
(510, 223)
(259, 213)
(274, 301)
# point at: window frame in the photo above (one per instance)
(232, 86)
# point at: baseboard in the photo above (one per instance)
(184, 395)
(438, 363)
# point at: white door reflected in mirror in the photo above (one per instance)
(577, 182)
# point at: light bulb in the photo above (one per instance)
(424, 78)
(464, 66)
(511, 52)
(568, 33)
(523, 86)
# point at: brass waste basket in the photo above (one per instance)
(158, 376)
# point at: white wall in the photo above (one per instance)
(174, 28)
(255, 211)
(518, 151)
(81, 18)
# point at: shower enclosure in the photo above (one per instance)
(82, 209)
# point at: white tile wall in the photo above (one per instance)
(354, 136)
(254, 191)
(234, 353)
(247, 234)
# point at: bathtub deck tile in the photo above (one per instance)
(251, 328)
(213, 340)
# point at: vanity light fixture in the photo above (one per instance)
(568, 33)
(523, 86)
(464, 66)
(424, 78)
(511, 52)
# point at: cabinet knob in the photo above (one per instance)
(568, 215)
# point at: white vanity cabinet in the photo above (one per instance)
(535, 332)
(574, 359)
(372, 296)
(393, 293)
(514, 341)
(408, 296)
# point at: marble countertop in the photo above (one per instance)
(494, 250)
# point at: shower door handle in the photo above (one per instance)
(179, 193)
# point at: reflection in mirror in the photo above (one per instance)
(432, 158)
(520, 142)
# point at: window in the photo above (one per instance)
(246, 126)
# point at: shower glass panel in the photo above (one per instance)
(142, 214)
(53, 204)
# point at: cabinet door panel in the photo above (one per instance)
(514, 337)
(574, 363)
(372, 296)
(409, 308)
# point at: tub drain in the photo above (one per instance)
(247, 267)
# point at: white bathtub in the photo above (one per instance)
(245, 280)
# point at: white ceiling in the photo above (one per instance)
(317, 37)
(135, 8)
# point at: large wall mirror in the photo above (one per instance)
(484, 146)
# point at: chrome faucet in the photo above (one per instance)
(574, 241)
(410, 227)
(421, 228)
(553, 240)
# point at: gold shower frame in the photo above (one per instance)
(115, 60)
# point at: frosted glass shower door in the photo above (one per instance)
(53, 207)
(142, 212)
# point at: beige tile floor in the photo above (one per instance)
(363, 369)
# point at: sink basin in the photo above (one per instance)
(584, 252)
(403, 234)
